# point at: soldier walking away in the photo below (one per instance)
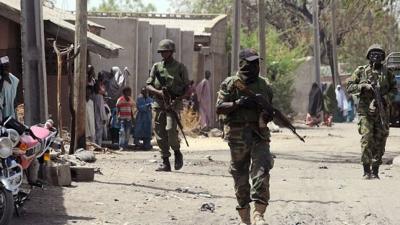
(376, 88)
(168, 83)
(248, 136)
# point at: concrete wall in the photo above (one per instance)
(143, 54)
(121, 31)
(219, 65)
(304, 77)
(187, 43)
(175, 35)
(159, 32)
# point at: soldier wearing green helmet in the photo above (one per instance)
(168, 77)
(367, 82)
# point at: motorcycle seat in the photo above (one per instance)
(40, 132)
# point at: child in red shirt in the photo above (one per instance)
(124, 106)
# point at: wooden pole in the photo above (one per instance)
(60, 54)
(334, 47)
(34, 63)
(236, 36)
(261, 37)
(317, 59)
(79, 139)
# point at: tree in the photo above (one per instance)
(293, 19)
(124, 5)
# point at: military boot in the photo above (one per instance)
(178, 160)
(258, 216)
(367, 171)
(165, 166)
(244, 216)
(375, 172)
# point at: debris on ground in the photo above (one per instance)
(208, 206)
(323, 167)
(215, 133)
(85, 155)
(182, 190)
(209, 157)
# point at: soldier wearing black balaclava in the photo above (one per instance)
(373, 128)
(248, 137)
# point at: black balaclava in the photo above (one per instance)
(249, 70)
(375, 58)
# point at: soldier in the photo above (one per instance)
(248, 137)
(167, 77)
(373, 129)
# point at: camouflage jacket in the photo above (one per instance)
(175, 75)
(366, 74)
(228, 93)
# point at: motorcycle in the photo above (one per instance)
(30, 149)
(11, 176)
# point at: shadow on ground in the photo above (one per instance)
(46, 207)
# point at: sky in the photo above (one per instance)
(161, 5)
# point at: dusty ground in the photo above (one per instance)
(314, 183)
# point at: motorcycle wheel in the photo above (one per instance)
(6, 206)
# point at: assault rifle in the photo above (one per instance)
(168, 101)
(378, 98)
(267, 107)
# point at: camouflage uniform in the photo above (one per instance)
(373, 133)
(248, 140)
(176, 76)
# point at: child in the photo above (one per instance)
(125, 115)
(143, 121)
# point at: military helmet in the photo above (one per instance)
(166, 45)
(376, 47)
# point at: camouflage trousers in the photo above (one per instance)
(250, 160)
(165, 128)
(373, 139)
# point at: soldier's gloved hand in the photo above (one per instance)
(259, 97)
(246, 102)
(266, 117)
(366, 87)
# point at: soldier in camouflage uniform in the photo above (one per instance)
(374, 133)
(176, 80)
(248, 137)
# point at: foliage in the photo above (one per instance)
(281, 60)
(294, 18)
(124, 5)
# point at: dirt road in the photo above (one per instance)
(318, 182)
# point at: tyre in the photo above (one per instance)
(6, 206)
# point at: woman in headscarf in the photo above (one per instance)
(330, 104)
(315, 101)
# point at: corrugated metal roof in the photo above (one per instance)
(12, 9)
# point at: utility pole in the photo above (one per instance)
(79, 139)
(34, 63)
(236, 35)
(336, 76)
(261, 37)
(317, 59)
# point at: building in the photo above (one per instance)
(200, 41)
(58, 25)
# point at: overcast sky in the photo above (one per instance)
(161, 5)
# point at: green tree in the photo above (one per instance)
(281, 60)
(124, 5)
